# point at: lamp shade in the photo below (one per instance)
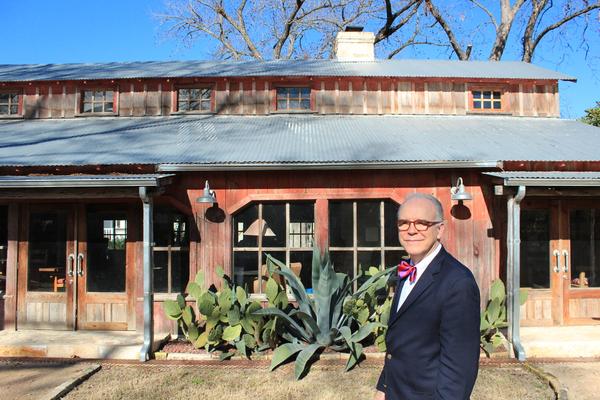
(208, 196)
(459, 192)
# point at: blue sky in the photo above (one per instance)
(63, 31)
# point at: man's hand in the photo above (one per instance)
(379, 396)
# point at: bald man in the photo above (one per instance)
(433, 330)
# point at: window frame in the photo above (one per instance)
(355, 248)
(311, 102)
(259, 249)
(104, 88)
(19, 94)
(504, 98)
(170, 249)
(201, 86)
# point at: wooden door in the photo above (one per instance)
(560, 261)
(580, 261)
(46, 284)
(104, 269)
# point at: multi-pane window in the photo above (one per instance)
(194, 99)
(362, 234)
(283, 230)
(487, 100)
(171, 251)
(115, 233)
(535, 254)
(9, 103)
(293, 98)
(98, 101)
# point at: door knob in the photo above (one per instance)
(71, 264)
(565, 254)
(79, 264)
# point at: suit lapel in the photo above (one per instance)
(424, 282)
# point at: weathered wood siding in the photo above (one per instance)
(371, 96)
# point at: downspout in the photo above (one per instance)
(147, 225)
(513, 264)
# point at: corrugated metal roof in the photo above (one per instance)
(296, 141)
(378, 68)
(547, 178)
(53, 181)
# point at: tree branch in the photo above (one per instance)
(446, 27)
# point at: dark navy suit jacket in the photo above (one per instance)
(433, 340)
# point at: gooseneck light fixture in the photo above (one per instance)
(208, 195)
(458, 192)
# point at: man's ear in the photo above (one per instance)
(441, 229)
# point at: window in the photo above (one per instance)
(486, 100)
(171, 251)
(283, 230)
(293, 98)
(98, 101)
(535, 254)
(9, 104)
(194, 99)
(363, 234)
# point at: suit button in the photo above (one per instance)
(388, 356)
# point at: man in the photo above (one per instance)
(433, 330)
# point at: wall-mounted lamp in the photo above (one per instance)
(459, 193)
(208, 196)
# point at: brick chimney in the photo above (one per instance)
(353, 44)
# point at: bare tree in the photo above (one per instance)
(283, 29)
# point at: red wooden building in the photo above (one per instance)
(102, 166)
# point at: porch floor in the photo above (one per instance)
(123, 345)
(561, 341)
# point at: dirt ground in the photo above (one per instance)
(156, 381)
(582, 378)
(33, 380)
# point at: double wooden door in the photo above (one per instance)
(560, 261)
(75, 268)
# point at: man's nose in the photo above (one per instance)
(412, 230)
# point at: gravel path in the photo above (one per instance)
(581, 378)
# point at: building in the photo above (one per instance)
(95, 159)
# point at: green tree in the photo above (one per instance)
(592, 115)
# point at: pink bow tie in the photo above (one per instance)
(405, 269)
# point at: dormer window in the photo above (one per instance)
(9, 104)
(194, 99)
(293, 99)
(97, 101)
(487, 100)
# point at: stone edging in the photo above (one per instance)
(61, 390)
(560, 392)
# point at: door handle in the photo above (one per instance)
(565, 254)
(79, 264)
(71, 266)
(556, 255)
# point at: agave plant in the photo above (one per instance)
(319, 322)
(226, 317)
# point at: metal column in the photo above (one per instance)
(147, 225)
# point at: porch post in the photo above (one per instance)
(513, 272)
(10, 297)
(147, 227)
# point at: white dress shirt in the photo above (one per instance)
(421, 267)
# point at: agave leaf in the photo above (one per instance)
(172, 309)
(232, 332)
(308, 322)
(346, 334)
(284, 352)
(354, 356)
(277, 312)
(305, 304)
(302, 361)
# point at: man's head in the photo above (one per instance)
(420, 224)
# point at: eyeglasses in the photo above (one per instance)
(421, 225)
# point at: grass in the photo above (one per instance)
(324, 382)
